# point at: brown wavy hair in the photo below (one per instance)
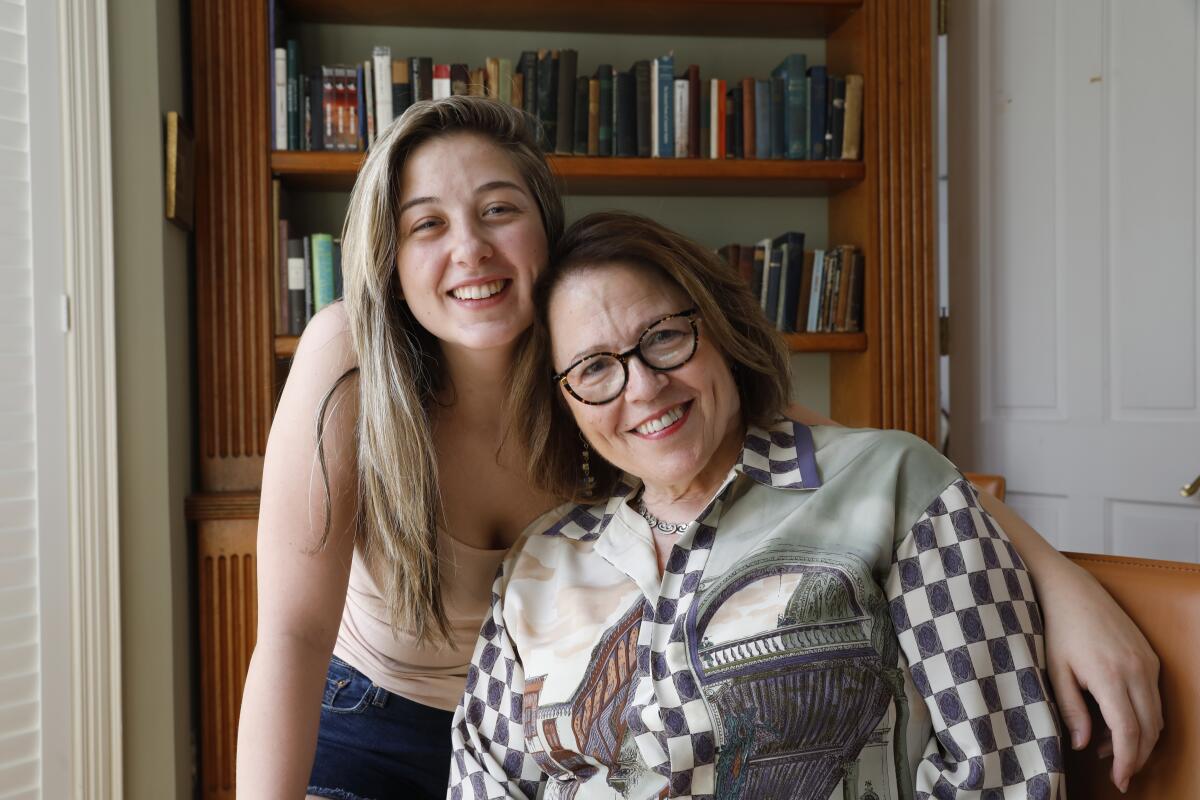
(399, 362)
(732, 320)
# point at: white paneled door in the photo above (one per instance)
(1074, 172)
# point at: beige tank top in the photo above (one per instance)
(431, 675)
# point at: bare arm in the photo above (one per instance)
(301, 589)
(1090, 642)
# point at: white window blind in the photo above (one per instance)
(19, 680)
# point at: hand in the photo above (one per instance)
(1092, 645)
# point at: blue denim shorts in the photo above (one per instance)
(375, 745)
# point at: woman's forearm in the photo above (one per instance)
(277, 731)
(1044, 562)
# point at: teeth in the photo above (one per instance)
(478, 292)
(656, 425)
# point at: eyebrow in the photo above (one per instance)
(486, 187)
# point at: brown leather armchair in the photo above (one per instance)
(1163, 598)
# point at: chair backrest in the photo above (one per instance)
(1163, 598)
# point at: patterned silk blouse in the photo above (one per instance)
(843, 621)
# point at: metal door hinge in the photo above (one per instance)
(942, 15)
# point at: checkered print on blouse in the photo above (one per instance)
(671, 724)
(964, 610)
(488, 720)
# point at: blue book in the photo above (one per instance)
(778, 134)
(762, 118)
(360, 95)
(323, 288)
(793, 71)
(666, 106)
(791, 247)
(818, 88)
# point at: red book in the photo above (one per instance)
(748, 118)
(716, 125)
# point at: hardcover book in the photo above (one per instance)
(693, 111)
(565, 124)
(581, 116)
(441, 81)
(626, 108)
(402, 94)
(460, 79)
(420, 70)
(749, 117)
(381, 63)
(604, 110)
(852, 127)
(816, 112)
(641, 79)
(547, 97)
(791, 248)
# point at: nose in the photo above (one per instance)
(471, 246)
(644, 383)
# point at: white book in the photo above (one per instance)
(281, 113)
(765, 244)
(382, 56)
(681, 118)
(441, 81)
(814, 297)
(369, 101)
(654, 100)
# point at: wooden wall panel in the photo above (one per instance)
(891, 216)
(233, 240)
(227, 618)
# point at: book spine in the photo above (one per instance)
(626, 115)
(762, 119)
(604, 77)
(460, 79)
(323, 95)
(838, 125)
(854, 316)
(381, 62)
(306, 277)
(852, 127)
(716, 100)
(748, 119)
(778, 120)
(338, 285)
(491, 77)
(505, 71)
(477, 87)
(518, 91)
(682, 118)
(666, 106)
(833, 267)
(655, 102)
(295, 286)
(358, 107)
(593, 148)
(733, 121)
(702, 100)
(793, 279)
(281, 104)
(528, 67)
(829, 95)
(421, 73)
(322, 270)
(806, 278)
(758, 278)
(317, 101)
(693, 111)
(816, 112)
(564, 141)
(293, 94)
(306, 128)
(815, 290)
(580, 147)
(547, 98)
(641, 78)
(796, 106)
(774, 275)
(441, 81)
(369, 105)
(282, 322)
(843, 294)
(401, 91)
(342, 116)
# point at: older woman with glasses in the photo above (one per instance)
(738, 605)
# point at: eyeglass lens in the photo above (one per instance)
(665, 345)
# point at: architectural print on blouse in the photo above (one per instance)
(874, 640)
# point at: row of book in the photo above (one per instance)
(802, 291)
(309, 277)
(799, 112)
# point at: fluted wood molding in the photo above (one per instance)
(891, 215)
(233, 241)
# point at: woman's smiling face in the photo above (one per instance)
(471, 242)
(667, 428)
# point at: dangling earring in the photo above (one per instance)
(589, 482)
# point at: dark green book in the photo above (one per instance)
(581, 116)
(778, 134)
(527, 67)
(604, 74)
(793, 70)
(547, 97)
(626, 108)
(641, 88)
(564, 142)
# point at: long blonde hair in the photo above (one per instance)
(399, 365)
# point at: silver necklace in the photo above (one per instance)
(655, 523)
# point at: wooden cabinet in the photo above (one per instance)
(883, 377)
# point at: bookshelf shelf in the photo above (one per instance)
(285, 346)
(629, 176)
(756, 18)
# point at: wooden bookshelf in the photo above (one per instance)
(883, 377)
(285, 346)
(624, 176)
(802, 19)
